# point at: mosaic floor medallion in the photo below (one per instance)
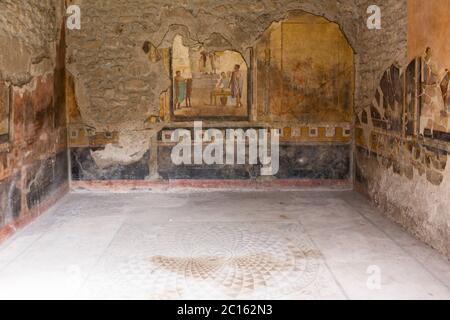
(220, 261)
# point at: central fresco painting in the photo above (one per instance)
(305, 71)
(208, 83)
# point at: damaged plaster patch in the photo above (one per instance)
(131, 148)
(32, 45)
(15, 68)
(426, 214)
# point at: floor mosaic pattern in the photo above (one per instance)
(218, 245)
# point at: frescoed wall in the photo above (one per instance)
(305, 72)
(33, 131)
(402, 148)
(208, 84)
(402, 138)
(224, 78)
(435, 101)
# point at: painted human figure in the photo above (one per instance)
(236, 85)
(203, 61)
(429, 68)
(180, 89)
(189, 83)
(298, 78)
(222, 85)
(4, 109)
(445, 85)
(212, 60)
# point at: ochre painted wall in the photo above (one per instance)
(306, 69)
(429, 26)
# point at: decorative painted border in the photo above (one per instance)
(189, 184)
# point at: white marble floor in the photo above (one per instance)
(219, 245)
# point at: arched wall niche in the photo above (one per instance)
(304, 71)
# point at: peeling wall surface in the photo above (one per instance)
(403, 136)
(120, 81)
(33, 154)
